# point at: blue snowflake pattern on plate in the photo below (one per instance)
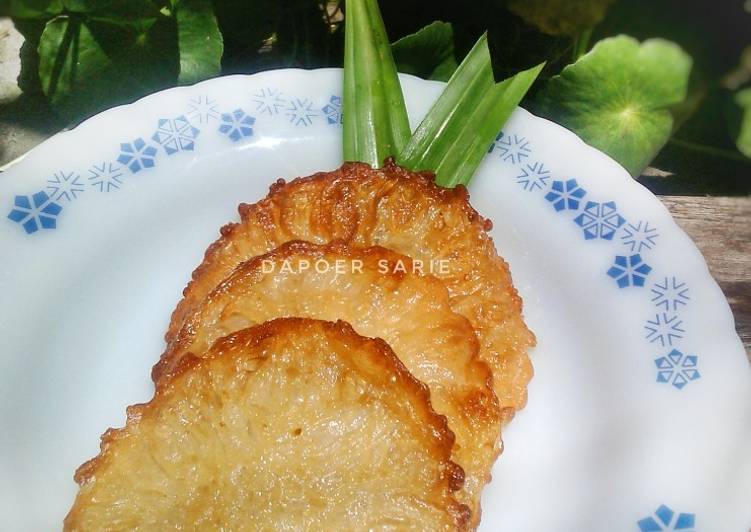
(665, 519)
(670, 293)
(202, 109)
(301, 112)
(65, 186)
(665, 328)
(106, 176)
(565, 195)
(269, 101)
(677, 369)
(639, 237)
(511, 148)
(35, 212)
(333, 110)
(175, 134)
(237, 124)
(137, 155)
(533, 176)
(629, 271)
(599, 220)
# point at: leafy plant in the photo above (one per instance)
(453, 137)
(98, 53)
(680, 103)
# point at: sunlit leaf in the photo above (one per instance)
(618, 97)
(199, 41)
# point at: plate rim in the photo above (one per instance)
(625, 177)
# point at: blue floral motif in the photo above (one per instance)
(237, 125)
(301, 112)
(137, 155)
(666, 519)
(664, 328)
(202, 109)
(565, 195)
(269, 101)
(333, 110)
(639, 236)
(677, 369)
(533, 176)
(106, 176)
(629, 271)
(670, 293)
(35, 212)
(599, 220)
(65, 186)
(175, 135)
(511, 148)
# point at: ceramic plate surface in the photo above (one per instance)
(639, 415)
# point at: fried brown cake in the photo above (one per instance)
(295, 424)
(400, 210)
(379, 293)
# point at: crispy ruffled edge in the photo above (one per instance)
(349, 171)
(381, 356)
(250, 270)
(261, 214)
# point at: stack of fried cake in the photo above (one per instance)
(343, 359)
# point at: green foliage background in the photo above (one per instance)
(681, 103)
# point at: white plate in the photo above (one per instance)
(639, 415)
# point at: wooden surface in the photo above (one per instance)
(721, 228)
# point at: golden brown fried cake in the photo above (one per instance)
(400, 210)
(376, 291)
(292, 425)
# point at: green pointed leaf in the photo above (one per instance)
(375, 116)
(199, 41)
(429, 53)
(561, 17)
(454, 136)
(618, 97)
(88, 65)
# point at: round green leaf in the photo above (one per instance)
(618, 97)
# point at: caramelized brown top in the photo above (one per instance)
(292, 425)
(407, 213)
